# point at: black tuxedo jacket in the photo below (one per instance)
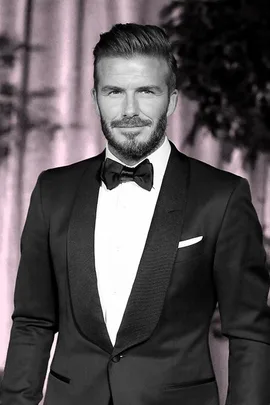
(161, 355)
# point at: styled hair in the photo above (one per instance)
(127, 40)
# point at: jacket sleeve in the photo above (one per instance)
(35, 319)
(242, 284)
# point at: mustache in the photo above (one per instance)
(130, 122)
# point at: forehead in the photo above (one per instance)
(134, 71)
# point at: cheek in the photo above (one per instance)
(110, 109)
(152, 108)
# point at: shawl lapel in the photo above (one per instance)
(85, 300)
(149, 289)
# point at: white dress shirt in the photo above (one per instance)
(123, 220)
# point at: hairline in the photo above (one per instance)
(169, 74)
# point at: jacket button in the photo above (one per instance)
(116, 358)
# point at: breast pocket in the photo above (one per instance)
(190, 252)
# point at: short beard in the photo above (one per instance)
(131, 149)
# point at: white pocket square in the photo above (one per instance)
(188, 242)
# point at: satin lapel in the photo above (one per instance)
(149, 289)
(85, 300)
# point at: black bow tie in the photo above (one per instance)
(114, 173)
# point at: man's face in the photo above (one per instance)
(133, 102)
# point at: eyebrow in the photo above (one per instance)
(154, 88)
(141, 88)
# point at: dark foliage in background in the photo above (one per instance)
(223, 52)
(8, 49)
(20, 109)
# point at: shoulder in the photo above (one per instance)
(60, 183)
(210, 181)
(70, 173)
(207, 173)
(217, 192)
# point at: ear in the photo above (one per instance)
(94, 98)
(172, 102)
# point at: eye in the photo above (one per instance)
(146, 91)
(114, 92)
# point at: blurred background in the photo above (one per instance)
(47, 118)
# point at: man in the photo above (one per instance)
(126, 255)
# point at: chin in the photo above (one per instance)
(133, 145)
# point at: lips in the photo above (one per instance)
(130, 126)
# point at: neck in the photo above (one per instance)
(124, 159)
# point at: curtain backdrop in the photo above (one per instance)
(53, 77)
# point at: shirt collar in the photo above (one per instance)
(159, 159)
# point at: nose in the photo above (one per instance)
(130, 107)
